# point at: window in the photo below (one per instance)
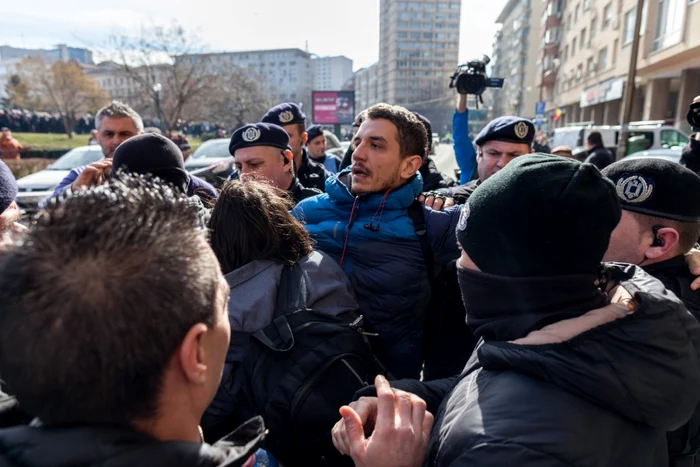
(583, 38)
(586, 5)
(594, 26)
(630, 18)
(607, 16)
(615, 47)
(579, 73)
(566, 53)
(603, 59)
(590, 67)
(577, 12)
(669, 23)
(671, 139)
(573, 47)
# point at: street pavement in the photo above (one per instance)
(445, 160)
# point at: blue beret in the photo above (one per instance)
(509, 129)
(314, 132)
(657, 187)
(8, 187)
(284, 114)
(259, 134)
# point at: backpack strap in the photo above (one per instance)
(416, 214)
(291, 297)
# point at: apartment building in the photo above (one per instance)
(515, 50)
(589, 54)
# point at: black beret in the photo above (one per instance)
(522, 221)
(508, 129)
(259, 134)
(314, 132)
(154, 154)
(8, 187)
(284, 114)
(428, 129)
(656, 187)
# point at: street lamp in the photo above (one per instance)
(157, 88)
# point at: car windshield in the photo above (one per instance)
(77, 158)
(218, 148)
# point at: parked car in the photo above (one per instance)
(37, 186)
(673, 155)
(209, 153)
(333, 144)
(643, 136)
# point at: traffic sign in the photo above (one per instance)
(539, 109)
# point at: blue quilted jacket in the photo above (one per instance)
(380, 251)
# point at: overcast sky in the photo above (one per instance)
(331, 27)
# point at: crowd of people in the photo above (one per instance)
(369, 311)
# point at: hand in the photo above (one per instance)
(693, 260)
(435, 201)
(93, 174)
(401, 434)
(366, 409)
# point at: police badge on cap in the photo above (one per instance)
(251, 134)
(635, 189)
(286, 116)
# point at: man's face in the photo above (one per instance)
(377, 165)
(265, 164)
(7, 134)
(494, 155)
(297, 138)
(628, 242)
(317, 147)
(219, 338)
(113, 132)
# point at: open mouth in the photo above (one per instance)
(359, 171)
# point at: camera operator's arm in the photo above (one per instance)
(463, 147)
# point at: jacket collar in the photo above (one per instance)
(338, 190)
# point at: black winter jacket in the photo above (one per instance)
(28, 446)
(601, 157)
(691, 155)
(606, 397)
(433, 179)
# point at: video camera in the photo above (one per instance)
(694, 114)
(471, 78)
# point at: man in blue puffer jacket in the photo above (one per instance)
(363, 222)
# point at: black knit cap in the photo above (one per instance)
(657, 187)
(540, 216)
(259, 134)
(314, 132)
(288, 113)
(8, 187)
(152, 154)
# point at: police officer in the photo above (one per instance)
(501, 141)
(660, 223)
(290, 117)
(316, 146)
(262, 151)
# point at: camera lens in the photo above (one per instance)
(694, 115)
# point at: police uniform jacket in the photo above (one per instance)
(311, 174)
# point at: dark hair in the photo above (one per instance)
(595, 138)
(251, 221)
(688, 232)
(412, 136)
(97, 298)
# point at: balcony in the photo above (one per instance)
(551, 49)
(553, 21)
(550, 78)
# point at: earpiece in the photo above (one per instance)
(658, 241)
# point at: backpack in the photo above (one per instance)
(298, 371)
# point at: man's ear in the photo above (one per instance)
(192, 354)
(288, 156)
(304, 138)
(409, 166)
(665, 243)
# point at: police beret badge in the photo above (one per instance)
(251, 134)
(521, 130)
(286, 116)
(634, 189)
(464, 217)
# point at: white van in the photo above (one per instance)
(643, 136)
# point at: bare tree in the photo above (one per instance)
(60, 86)
(166, 56)
(239, 99)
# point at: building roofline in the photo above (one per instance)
(237, 52)
(506, 11)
